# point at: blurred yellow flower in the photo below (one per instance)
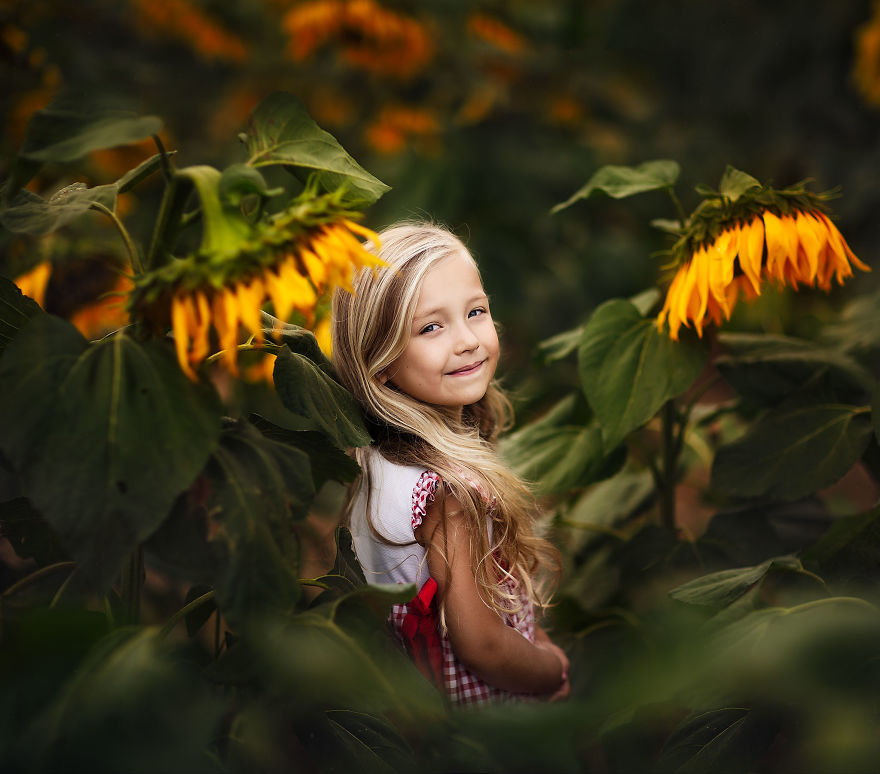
(866, 68)
(182, 20)
(33, 283)
(800, 247)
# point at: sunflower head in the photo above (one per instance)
(744, 236)
(292, 259)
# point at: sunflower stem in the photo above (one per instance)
(168, 222)
(134, 259)
(669, 472)
(682, 218)
(132, 584)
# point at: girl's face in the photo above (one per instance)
(453, 347)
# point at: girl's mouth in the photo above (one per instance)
(468, 369)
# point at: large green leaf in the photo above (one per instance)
(629, 369)
(620, 182)
(132, 705)
(793, 452)
(258, 488)
(280, 131)
(105, 437)
(15, 310)
(328, 462)
(719, 589)
(373, 744)
(306, 390)
(730, 739)
(766, 369)
(65, 131)
(558, 455)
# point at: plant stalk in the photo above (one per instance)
(669, 463)
(133, 257)
(131, 586)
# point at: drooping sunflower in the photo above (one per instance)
(733, 246)
(292, 259)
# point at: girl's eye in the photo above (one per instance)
(475, 312)
(430, 328)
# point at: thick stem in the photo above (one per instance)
(168, 222)
(131, 587)
(669, 461)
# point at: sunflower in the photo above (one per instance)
(293, 261)
(733, 249)
(33, 283)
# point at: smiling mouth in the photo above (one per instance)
(468, 369)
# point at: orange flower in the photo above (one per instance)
(396, 125)
(33, 283)
(496, 33)
(866, 68)
(787, 249)
(181, 20)
(369, 36)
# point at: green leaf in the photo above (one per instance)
(130, 706)
(719, 589)
(328, 462)
(765, 368)
(15, 310)
(735, 183)
(280, 131)
(298, 339)
(790, 453)
(239, 180)
(104, 437)
(629, 369)
(29, 534)
(258, 490)
(561, 345)
(306, 390)
(198, 617)
(555, 454)
(620, 182)
(64, 131)
(730, 739)
(373, 744)
(31, 214)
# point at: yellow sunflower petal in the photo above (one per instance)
(314, 266)
(721, 256)
(836, 237)
(777, 246)
(751, 251)
(301, 291)
(181, 333)
(672, 303)
(364, 232)
(200, 333)
(250, 298)
(226, 323)
(811, 241)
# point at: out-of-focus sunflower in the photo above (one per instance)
(866, 67)
(733, 246)
(33, 282)
(290, 259)
(368, 35)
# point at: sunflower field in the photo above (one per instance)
(674, 210)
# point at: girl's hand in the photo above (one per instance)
(564, 689)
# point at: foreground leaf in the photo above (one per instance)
(31, 214)
(104, 437)
(794, 452)
(629, 369)
(280, 131)
(719, 589)
(15, 310)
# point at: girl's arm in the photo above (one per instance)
(491, 649)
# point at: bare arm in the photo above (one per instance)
(481, 640)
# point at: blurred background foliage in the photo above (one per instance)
(484, 115)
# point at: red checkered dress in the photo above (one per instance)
(416, 623)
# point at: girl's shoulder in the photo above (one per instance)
(398, 493)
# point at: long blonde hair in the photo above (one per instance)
(371, 328)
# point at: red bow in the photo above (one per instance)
(421, 635)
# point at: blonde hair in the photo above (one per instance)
(371, 328)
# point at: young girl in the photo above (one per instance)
(416, 344)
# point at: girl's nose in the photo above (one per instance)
(465, 340)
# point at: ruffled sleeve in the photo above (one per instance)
(422, 493)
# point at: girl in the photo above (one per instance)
(416, 344)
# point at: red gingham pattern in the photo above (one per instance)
(462, 686)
